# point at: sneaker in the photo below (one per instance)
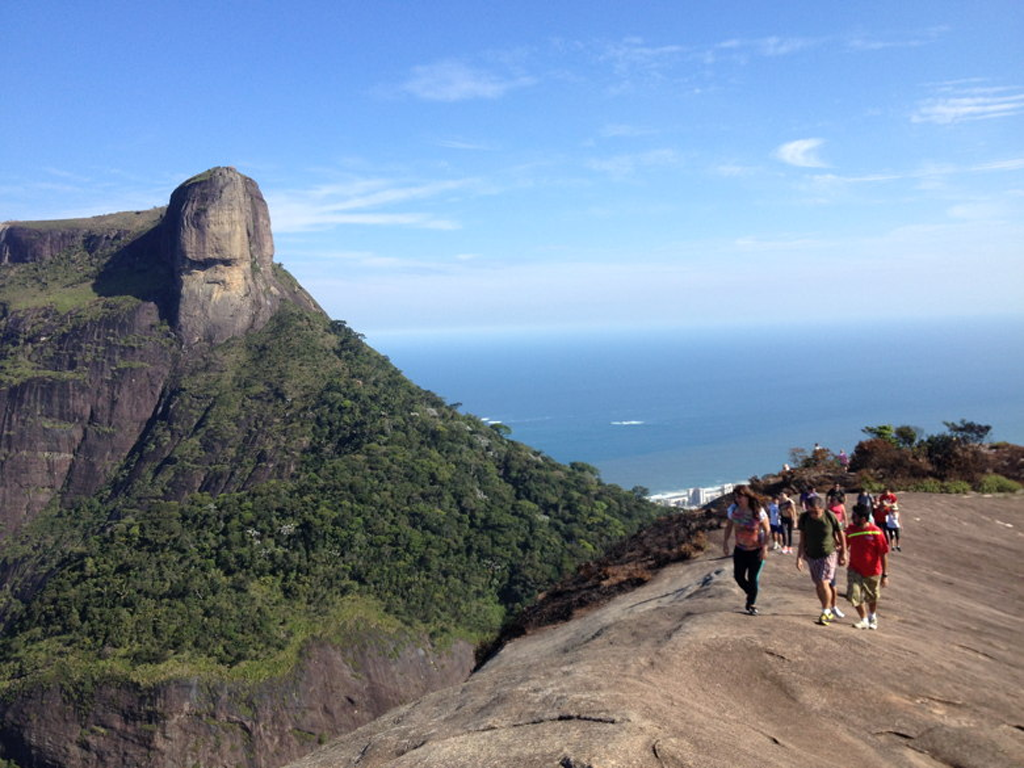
(862, 624)
(825, 619)
(873, 623)
(837, 613)
(752, 610)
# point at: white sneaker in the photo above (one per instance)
(837, 613)
(873, 624)
(862, 624)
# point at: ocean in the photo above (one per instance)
(668, 410)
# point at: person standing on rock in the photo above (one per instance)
(822, 544)
(836, 495)
(892, 527)
(869, 566)
(806, 496)
(746, 516)
(775, 523)
(787, 517)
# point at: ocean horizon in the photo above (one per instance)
(668, 409)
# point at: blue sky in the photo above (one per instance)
(559, 163)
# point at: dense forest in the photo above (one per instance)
(396, 506)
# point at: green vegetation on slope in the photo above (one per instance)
(346, 481)
(82, 272)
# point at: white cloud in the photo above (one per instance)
(863, 42)
(476, 146)
(620, 130)
(453, 80)
(354, 202)
(960, 103)
(802, 153)
(627, 164)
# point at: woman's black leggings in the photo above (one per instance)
(787, 531)
(746, 565)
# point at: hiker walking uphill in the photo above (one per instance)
(787, 517)
(823, 545)
(869, 566)
(746, 516)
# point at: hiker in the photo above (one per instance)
(869, 566)
(747, 517)
(787, 518)
(775, 523)
(823, 545)
(844, 460)
(892, 527)
(835, 495)
(882, 506)
(806, 496)
(865, 499)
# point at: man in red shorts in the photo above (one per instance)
(869, 566)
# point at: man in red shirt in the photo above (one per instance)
(869, 566)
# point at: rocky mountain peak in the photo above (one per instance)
(221, 247)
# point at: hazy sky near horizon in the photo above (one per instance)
(560, 163)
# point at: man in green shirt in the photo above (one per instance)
(822, 544)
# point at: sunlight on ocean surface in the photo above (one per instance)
(677, 409)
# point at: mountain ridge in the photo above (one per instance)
(205, 480)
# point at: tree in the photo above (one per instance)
(907, 436)
(969, 432)
(882, 432)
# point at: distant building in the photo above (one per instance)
(692, 498)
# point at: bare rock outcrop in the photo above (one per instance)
(79, 385)
(676, 675)
(221, 246)
(192, 722)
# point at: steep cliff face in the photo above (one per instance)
(89, 388)
(192, 722)
(221, 247)
(94, 315)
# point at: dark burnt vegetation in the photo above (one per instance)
(957, 460)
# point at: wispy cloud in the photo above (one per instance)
(454, 80)
(961, 102)
(476, 146)
(802, 153)
(863, 42)
(628, 164)
(622, 130)
(783, 46)
(925, 172)
(356, 202)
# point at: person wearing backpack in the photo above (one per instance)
(822, 545)
(746, 516)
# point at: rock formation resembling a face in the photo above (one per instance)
(222, 249)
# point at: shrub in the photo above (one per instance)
(931, 485)
(954, 458)
(956, 487)
(887, 460)
(997, 484)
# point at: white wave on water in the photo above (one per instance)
(626, 423)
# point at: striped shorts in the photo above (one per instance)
(823, 568)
